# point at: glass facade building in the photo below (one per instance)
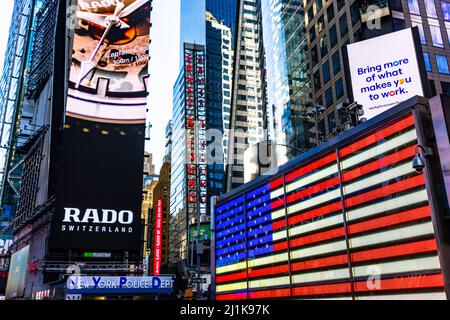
(288, 85)
(178, 194)
(13, 115)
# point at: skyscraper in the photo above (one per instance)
(248, 116)
(15, 112)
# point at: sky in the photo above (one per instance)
(164, 68)
(5, 19)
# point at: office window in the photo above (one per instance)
(312, 33)
(445, 88)
(329, 97)
(357, 36)
(314, 55)
(396, 5)
(319, 4)
(321, 127)
(310, 14)
(426, 57)
(326, 72)
(319, 101)
(333, 37)
(343, 25)
(436, 36)
(399, 24)
(336, 60)
(320, 24)
(339, 89)
(432, 88)
(430, 8)
(423, 39)
(317, 84)
(354, 12)
(331, 122)
(330, 12)
(323, 46)
(442, 64)
(446, 10)
(414, 6)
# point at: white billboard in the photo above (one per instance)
(384, 71)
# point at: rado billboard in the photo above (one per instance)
(101, 161)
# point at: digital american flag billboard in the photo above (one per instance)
(351, 223)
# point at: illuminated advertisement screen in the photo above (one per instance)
(120, 285)
(6, 215)
(5, 242)
(110, 61)
(158, 237)
(100, 177)
(385, 71)
(17, 273)
(205, 232)
(352, 222)
(194, 59)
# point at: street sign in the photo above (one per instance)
(198, 280)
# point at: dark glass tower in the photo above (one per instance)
(220, 37)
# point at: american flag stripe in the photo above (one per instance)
(400, 266)
(410, 231)
(380, 135)
(312, 178)
(379, 149)
(326, 160)
(410, 199)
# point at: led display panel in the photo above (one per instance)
(100, 167)
(157, 252)
(352, 223)
(195, 129)
(385, 71)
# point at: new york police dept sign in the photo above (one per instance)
(120, 285)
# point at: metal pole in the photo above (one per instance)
(316, 123)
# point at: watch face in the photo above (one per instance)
(110, 61)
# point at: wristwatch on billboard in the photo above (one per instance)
(110, 56)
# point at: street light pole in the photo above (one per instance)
(316, 125)
(315, 112)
